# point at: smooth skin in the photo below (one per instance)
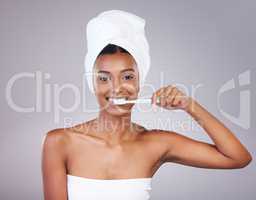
(111, 146)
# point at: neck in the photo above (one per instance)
(115, 128)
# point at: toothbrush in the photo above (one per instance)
(122, 101)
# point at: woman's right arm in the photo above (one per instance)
(53, 165)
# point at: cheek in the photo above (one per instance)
(131, 87)
(101, 90)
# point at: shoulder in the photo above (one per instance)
(63, 136)
(160, 135)
(159, 142)
(58, 135)
(55, 140)
(163, 138)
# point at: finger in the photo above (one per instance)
(159, 95)
(172, 96)
(168, 95)
(170, 89)
(156, 95)
(163, 96)
(177, 99)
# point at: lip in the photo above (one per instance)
(107, 98)
(116, 105)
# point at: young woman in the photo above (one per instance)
(111, 157)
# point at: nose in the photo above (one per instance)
(116, 85)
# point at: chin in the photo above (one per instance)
(119, 110)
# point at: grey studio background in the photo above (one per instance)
(206, 43)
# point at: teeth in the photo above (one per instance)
(108, 98)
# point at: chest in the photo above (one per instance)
(96, 160)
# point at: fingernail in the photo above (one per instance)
(158, 100)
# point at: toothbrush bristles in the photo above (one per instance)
(118, 101)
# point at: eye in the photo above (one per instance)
(128, 77)
(103, 78)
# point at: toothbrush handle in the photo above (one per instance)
(143, 101)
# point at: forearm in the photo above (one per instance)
(224, 139)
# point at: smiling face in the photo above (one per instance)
(115, 75)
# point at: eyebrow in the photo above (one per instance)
(102, 71)
(124, 70)
(130, 69)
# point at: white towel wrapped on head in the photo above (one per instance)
(120, 28)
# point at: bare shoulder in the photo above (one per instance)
(63, 135)
(158, 142)
(53, 164)
(170, 139)
(163, 138)
(58, 135)
(56, 139)
(159, 135)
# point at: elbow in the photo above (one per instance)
(244, 162)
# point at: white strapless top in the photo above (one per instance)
(80, 188)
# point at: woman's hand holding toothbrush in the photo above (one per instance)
(170, 97)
